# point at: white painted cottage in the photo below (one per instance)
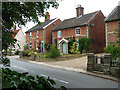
(21, 40)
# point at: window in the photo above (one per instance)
(77, 31)
(30, 44)
(37, 34)
(59, 34)
(30, 34)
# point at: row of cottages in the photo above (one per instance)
(112, 24)
(90, 25)
(41, 33)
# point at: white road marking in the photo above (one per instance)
(63, 81)
(43, 75)
(20, 68)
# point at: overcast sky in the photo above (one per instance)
(67, 9)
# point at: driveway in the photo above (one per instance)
(78, 63)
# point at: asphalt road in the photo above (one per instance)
(62, 77)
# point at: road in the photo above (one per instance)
(65, 78)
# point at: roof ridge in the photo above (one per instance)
(47, 22)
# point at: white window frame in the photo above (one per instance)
(77, 31)
(59, 34)
(37, 33)
(30, 34)
(30, 45)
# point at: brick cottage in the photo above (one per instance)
(89, 25)
(41, 33)
(112, 23)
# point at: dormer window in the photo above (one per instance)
(37, 34)
(77, 31)
(30, 34)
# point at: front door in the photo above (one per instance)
(41, 46)
(64, 48)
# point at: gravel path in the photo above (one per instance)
(75, 63)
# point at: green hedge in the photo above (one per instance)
(53, 52)
(113, 50)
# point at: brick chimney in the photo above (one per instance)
(79, 10)
(47, 16)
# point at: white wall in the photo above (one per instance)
(21, 40)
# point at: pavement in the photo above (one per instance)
(76, 65)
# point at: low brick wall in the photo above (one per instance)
(103, 64)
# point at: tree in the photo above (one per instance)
(17, 13)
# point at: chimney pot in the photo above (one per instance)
(79, 10)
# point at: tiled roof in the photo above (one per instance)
(76, 21)
(114, 15)
(38, 27)
(15, 33)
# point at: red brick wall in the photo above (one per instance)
(49, 31)
(111, 27)
(71, 32)
(34, 38)
(40, 35)
(97, 33)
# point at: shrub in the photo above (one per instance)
(17, 52)
(70, 43)
(55, 41)
(53, 52)
(84, 45)
(47, 46)
(113, 50)
(25, 52)
(39, 46)
(74, 48)
(23, 81)
(25, 47)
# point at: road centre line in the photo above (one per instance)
(43, 75)
(20, 68)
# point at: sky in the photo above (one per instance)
(67, 9)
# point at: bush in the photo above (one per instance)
(74, 48)
(23, 81)
(70, 43)
(47, 46)
(113, 50)
(17, 52)
(84, 45)
(53, 52)
(25, 52)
